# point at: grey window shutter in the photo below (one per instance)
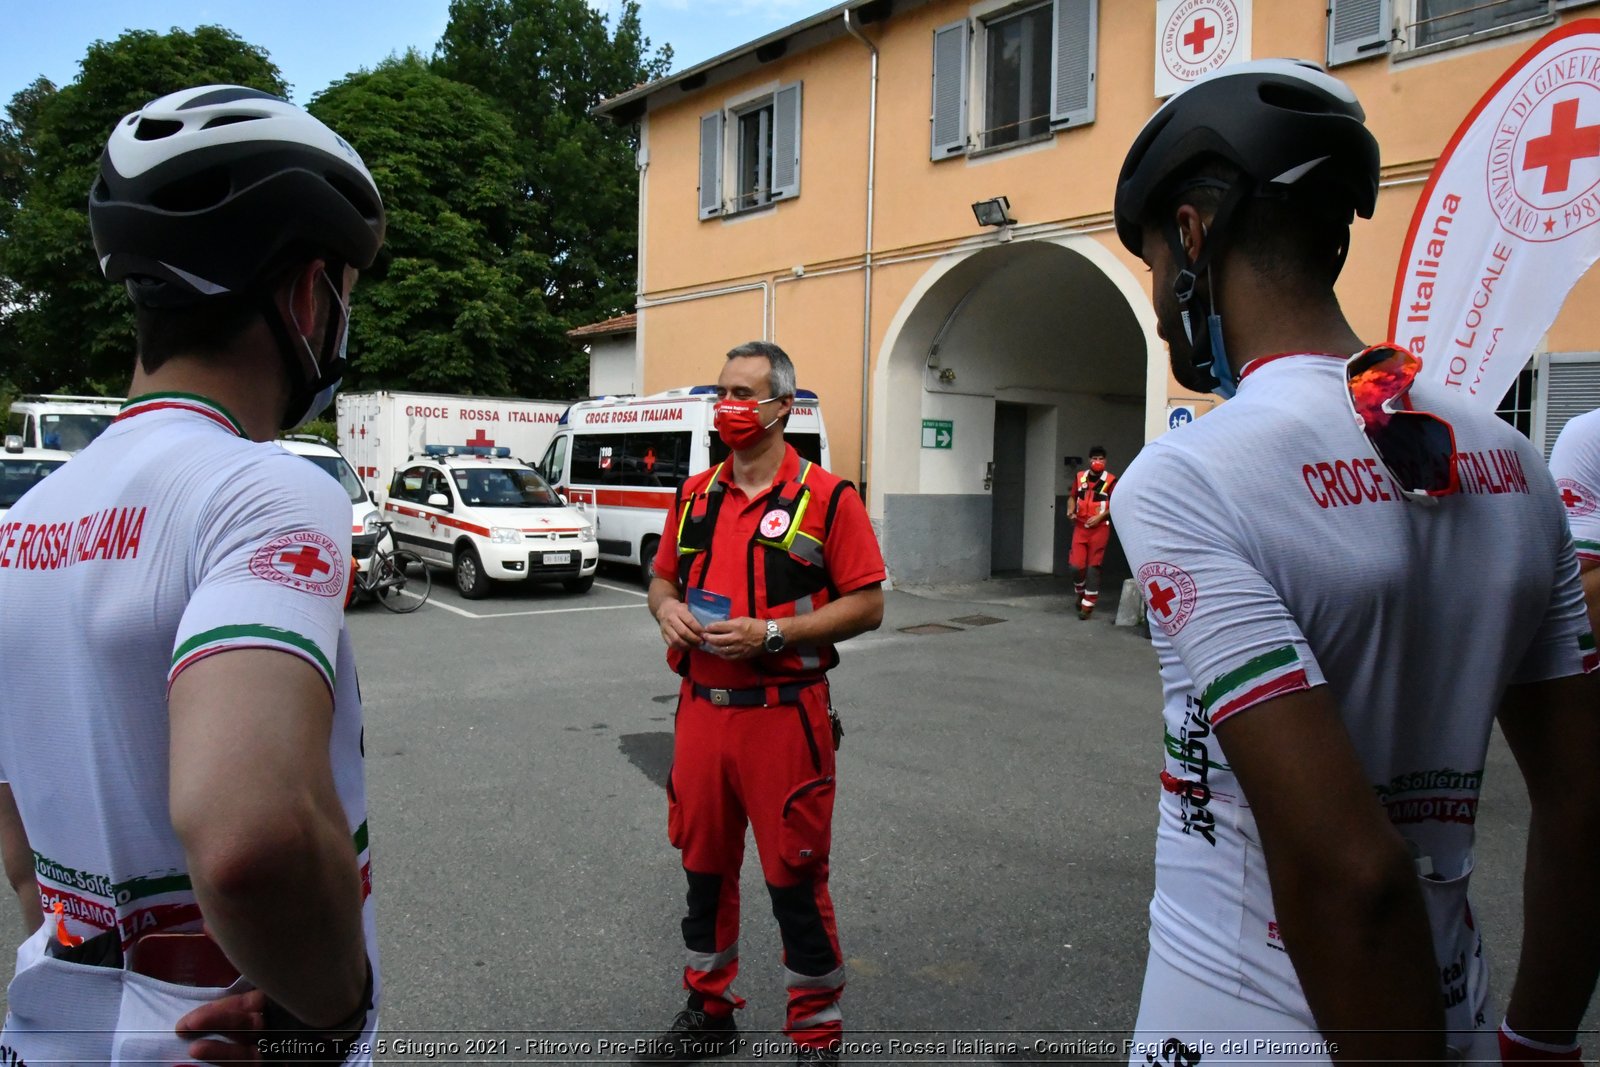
(1072, 88)
(949, 90)
(1358, 29)
(786, 142)
(1574, 388)
(711, 165)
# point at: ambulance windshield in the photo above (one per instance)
(505, 487)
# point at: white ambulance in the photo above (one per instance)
(379, 431)
(489, 518)
(623, 458)
(66, 423)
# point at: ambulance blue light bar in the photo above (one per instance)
(500, 452)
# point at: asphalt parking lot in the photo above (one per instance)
(992, 850)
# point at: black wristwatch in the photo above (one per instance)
(774, 642)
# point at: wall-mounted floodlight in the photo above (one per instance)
(993, 212)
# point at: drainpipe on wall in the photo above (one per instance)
(866, 309)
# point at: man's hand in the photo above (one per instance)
(227, 1030)
(679, 628)
(737, 638)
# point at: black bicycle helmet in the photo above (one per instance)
(1280, 121)
(208, 190)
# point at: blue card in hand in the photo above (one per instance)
(708, 608)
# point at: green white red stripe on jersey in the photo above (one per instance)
(190, 402)
(1272, 674)
(1589, 550)
(141, 904)
(249, 635)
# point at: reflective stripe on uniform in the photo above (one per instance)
(712, 961)
(834, 979)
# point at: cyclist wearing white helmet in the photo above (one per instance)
(183, 737)
(1349, 578)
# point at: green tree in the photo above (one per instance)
(441, 308)
(64, 327)
(546, 63)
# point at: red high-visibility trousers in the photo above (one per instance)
(1089, 545)
(772, 767)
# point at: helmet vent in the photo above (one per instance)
(358, 197)
(197, 192)
(227, 120)
(1293, 98)
(156, 129)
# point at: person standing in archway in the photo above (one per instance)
(1091, 532)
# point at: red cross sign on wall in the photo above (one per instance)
(1199, 35)
(1565, 143)
(481, 440)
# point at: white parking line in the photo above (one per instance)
(551, 611)
(465, 614)
(623, 589)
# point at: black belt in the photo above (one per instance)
(756, 697)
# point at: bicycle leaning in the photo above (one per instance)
(387, 578)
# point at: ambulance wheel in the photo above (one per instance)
(470, 579)
(647, 553)
(578, 585)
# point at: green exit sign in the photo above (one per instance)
(938, 433)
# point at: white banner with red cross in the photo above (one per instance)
(1506, 224)
(1196, 37)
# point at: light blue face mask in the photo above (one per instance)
(324, 396)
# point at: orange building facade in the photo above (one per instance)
(820, 188)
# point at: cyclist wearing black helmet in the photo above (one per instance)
(1348, 578)
(183, 737)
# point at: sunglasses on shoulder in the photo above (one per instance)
(1417, 449)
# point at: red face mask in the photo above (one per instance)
(1097, 465)
(739, 422)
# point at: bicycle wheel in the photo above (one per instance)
(405, 593)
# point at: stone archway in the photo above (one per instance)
(1044, 346)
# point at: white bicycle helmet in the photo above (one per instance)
(208, 190)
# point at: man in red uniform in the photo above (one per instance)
(766, 561)
(1091, 516)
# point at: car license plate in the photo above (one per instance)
(557, 559)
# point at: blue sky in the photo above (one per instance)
(316, 42)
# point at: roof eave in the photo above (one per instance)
(627, 107)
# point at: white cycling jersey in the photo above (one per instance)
(170, 538)
(1274, 554)
(1575, 462)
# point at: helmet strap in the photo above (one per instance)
(307, 375)
(1208, 354)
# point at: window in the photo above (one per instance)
(1013, 73)
(1437, 21)
(1516, 407)
(1016, 69)
(554, 464)
(753, 148)
(754, 168)
(408, 485)
(1361, 29)
(658, 460)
